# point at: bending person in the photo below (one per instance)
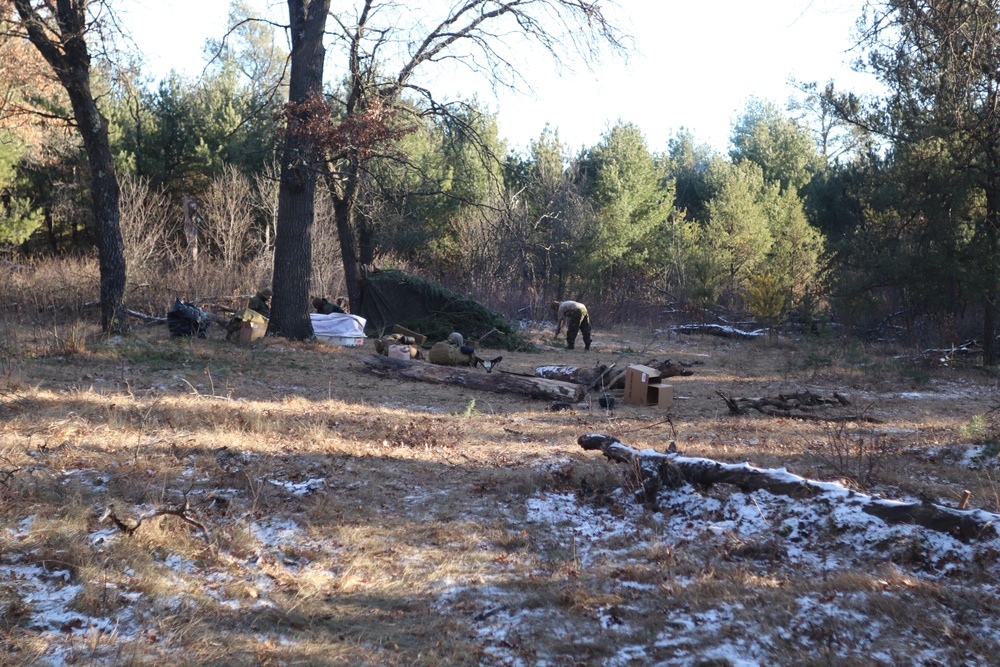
(574, 315)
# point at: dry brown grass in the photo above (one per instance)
(355, 519)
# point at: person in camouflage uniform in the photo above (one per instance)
(323, 306)
(261, 302)
(575, 315)
(452, 352)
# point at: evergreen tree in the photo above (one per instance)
(18, 216)
(737, 233)
(783, 149)
(626, 185)
(687, 165)
(940, 122)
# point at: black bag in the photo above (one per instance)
(187, 320)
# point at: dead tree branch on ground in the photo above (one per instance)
(129, 525)
(795, 406)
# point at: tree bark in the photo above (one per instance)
(62, 41)
(297, 189)
(962, 524)
(343, 215)
(499, 382)
(575, 374)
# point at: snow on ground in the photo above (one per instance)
(817, 538)
(789, 529)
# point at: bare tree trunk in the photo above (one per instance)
(62, 40)
(343, 214)
(293, 240)
(104, 189)
(345, 198)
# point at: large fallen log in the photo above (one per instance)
(501, 383)
(574, 374)
(657, 470)
(722, 331)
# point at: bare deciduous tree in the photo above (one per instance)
(228, 221)
(266, 202)
(60, 32)
(385, 46)
(145, 219)
(327, 266)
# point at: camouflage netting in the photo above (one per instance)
(396, 297)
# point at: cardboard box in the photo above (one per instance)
(251, 331)
(643, 386)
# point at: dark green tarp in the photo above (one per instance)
(421, 305)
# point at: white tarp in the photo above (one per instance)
(338, 324)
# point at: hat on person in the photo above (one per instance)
(317, 302)
(554, 305)
(455, 338)
(266, 292)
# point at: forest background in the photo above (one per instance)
(877, 213)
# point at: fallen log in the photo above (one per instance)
(657, 470)
(719, 330)
(795, 406)
(152, 319)
(500, 383)
(575, 374)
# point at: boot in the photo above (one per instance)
(569, 346)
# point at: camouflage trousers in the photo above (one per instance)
(577, 321)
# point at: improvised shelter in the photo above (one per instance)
(395, 297)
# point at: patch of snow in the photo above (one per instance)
(275, 532)
(587, 528)
(546, 371)
(301, 488)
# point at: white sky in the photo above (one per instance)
(698, 62)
